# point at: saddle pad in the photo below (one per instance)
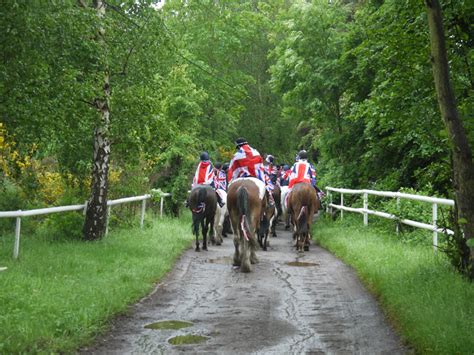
(260, 184)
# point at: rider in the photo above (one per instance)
(285, 175)
(220, 177)
(302, 171)
(270, 168)
(204, 175)
(247, 162)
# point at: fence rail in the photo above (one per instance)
(435, 201)
(36, 212)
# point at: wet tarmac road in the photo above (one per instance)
(279, 308)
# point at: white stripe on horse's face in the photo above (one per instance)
(260, 184)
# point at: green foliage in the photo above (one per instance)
(59, 296)
(11, 199)
(428, 302)
(62, 226)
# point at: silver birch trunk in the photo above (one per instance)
(96, 213)
(463, 165)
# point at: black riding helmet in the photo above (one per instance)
(225, 167)
(303, 154)
(204, 156)
(240, 142)
(218, 165)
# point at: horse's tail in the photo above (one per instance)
(303, 220)
(198, 211)
(244, 212)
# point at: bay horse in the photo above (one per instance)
(203, 204)
(303, 203)
(246, 202)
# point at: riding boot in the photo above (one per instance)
(219, 200)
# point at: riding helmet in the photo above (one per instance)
(217, 165)
(204, 156)
(225, 167)
(303, 154)
(240, 142)
(269, 158)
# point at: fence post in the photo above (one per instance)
(16, 248)
(327, 202)
(435, 224)
(161, 207)
(107, 220)
(143, 213)
(366, 207)
(85, 208)
(398, 215)
(342, 205)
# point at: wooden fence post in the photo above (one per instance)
(16, 248)
(142, 218)
(366, 207)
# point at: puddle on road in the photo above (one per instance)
(226, 260)
(301, 264)
(187, 339)
(169, 324)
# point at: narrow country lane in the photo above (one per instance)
(279, 308)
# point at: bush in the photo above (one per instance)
(10, 200)
(62, 226)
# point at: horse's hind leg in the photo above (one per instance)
(245, 255)
(237, 256)
(205, 227)
(197, 242)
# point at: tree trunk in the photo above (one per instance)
(463, 165)
(96, 213)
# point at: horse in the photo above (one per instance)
(246, 202)
(278, 210)
(303, 202)
(266, 225)
(219, 219)
(284, 207)
(203, 203)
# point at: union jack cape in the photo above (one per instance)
(204, 174)
(301, 171)
(247, 162)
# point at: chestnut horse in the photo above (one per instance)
(303, 203)
(246, 203)
(203, 204)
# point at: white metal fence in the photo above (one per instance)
(435, 201)
(19, 214)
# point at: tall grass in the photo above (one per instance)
(59, 295)
(429, 303)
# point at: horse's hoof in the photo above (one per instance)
(265, 249)
(287, 227)
(197, 249)
(204, 248)
(306, 248)
(274, 235)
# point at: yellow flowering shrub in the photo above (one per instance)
(51, 186)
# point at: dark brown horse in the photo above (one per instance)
(246, 203)
(303, 203)
(203, 204)
(278, 210)
(266, 225)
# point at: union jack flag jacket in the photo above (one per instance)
(302, 171)
(247, 162)
(204, 174)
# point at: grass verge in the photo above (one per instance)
(59, 295)
(428, 302)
